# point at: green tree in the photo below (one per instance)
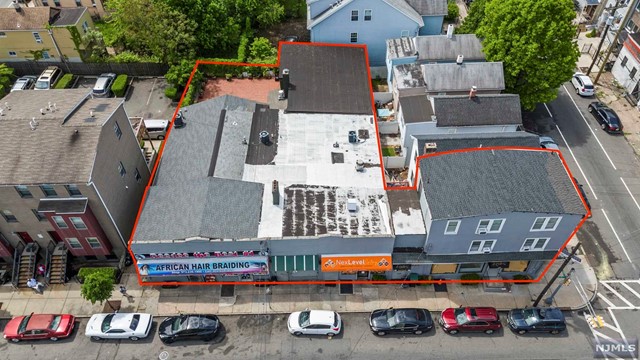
(534, 40)
(97, 287)
(452, 11)
(474, 18)
(93, 42)
(6, 75)
(261, 51)
(153, 28)
(264, 13)
(179, 74)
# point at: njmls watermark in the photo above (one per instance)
(621, 348)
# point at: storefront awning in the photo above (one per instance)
(294, 263)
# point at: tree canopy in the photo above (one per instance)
(474, 18)
(97, 287)
(6, 74)
(534, 40)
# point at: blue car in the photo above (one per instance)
(549, 320)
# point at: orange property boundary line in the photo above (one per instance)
(321, 282)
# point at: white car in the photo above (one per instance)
(548, 143)
(583, 85)
(132, 326)
(314, 322)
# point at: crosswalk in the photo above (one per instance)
(615, 296)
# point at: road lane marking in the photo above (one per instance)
(590, 129)
(617, 294)
(151, 92)
(604, 298)
(584, 176)
(631, 290)
(629, 191)
(545, 105)
(624, 338)
(617, 237)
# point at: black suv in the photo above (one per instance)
(390, 321)
(527, 320)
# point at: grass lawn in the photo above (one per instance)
(388, 151)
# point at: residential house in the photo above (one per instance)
(495, 212)
(54, 31)
(371, 22)
(625, 69)
(96, 7)
(73, 176)
(433, 49)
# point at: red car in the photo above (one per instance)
(454, 320)
(39, 326)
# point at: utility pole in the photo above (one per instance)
(555, 276)
(604, 35)
(627, 16)
(567, 281)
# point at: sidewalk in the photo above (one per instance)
(609, 93)
(250, 299)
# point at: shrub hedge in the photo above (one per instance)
(65, 81)
(110, 271)
(171, 92)
(471, 276)
(119, 85)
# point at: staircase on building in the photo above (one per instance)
(26, 265)
(57, 269)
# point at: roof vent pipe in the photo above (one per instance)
(450, 30)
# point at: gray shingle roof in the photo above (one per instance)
(407, 10)
(408, 76)
(429, 7)
(28, 18)
(497, 181)
(209, 208)
(454, 77)
(446, 142)
(442, 48)
(188, 151)
(416, 108)
(53, 153)
(460, 110)
(334, 7)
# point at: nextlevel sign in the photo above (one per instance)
(235, 265)
(356, 263)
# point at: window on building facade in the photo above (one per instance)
(60, 223)
(78, 3)
(452, 227)
(78, 223)
(48, 190)
(13, 53)
(3, 34)
(534, 244)
(56, 2)
(73, 190)
(45, 3)
(367, 15)
(121, 169)
(546, 223)
(624, 61)
(45, 54)
(93, 242)
(37, 37)
(23, 191)
(490, 226)
(481, 246)
(74, 243)
(633, 72)
(470, 267)
(354, 37)
(8, 216)
(117, 130)
(38, 215)
(354, 15)
(85, 26)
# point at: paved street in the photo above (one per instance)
(266, 337)
(610, 172)
(146, 98)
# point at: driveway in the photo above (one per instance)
(146, 98)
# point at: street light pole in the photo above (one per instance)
(549, 300)
(630, 10)
(555, 276)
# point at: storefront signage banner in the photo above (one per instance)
(238, 265)
(334, 263)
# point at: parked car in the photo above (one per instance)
(102, 88)
(608, 119)
(455, 320)
(547, 143)
(393, 321)
(39, 326)
(584, 195)
(527, 320)
(157, 129)
(583, 84)
(133, 326)
(48, 78)
(314, 322)
(189, 327)
(24, 83)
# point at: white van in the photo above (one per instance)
(48, 78)
(157, 128)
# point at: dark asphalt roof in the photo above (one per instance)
(447, 142)
(327, 79)
(415, 108)
(504, 181)
(460, 110)
(68, 16)
(210, 208)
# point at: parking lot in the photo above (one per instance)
(145, 98)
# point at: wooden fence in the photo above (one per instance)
(131, 69)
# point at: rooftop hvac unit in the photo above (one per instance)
(430, 147)
(352, 205)
(460, 59)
